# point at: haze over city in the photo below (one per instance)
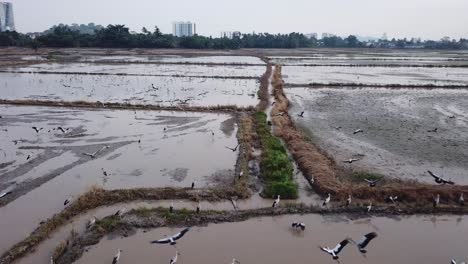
(427, 19)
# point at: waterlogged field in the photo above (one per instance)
(164, 91)
(57, 168)
(375, 75)
(244, 60)
(225, 71)
(370, 60)
(396, 122)
(271, 240)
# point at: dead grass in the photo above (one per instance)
(263, 95)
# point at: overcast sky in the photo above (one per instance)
(398, 18)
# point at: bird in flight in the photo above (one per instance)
(372, 183)
(298, 225)
(358, 131)
(350, 161)
(5, 194)
(433, 130)
(301, 114)
(336, 250)
(233, 149)
(364, 241)
(37, 129)
(455, 262)
(174, 259)
(93, 155)
(439, 179)
(172, 239)
(68, 201)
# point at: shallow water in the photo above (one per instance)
(164, 91)
(175, 59)
(396, 141)
(271, 240)
(375, 75)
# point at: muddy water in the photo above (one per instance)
(396, 141)
(163, 158)
(153, 69)
(375, 75)
(271, 240)
(164, 91)
(176, 59)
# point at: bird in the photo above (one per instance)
(235, 261)
(348, 201)
(369, 207)
(452, 116)
(67, 201)
(273, 103)
(298, 225)
(104, 172)
(156, 88)
(51, 260)
(280, 114)
(350, 161)
(5, 194)
(455, 262)
(91, 222)
(61, 129)
(364, 241)
(198, 207)
(301, 114)
(193, 185)
(93, 155)
(37, 129)
(172, 239)
(436, 200)
(327, 200)
(336, 250)
(393, 199)
(212, 133)
(433, 130)
(276, 202)
(116, 258)
(372, 183)
(233, 149)
(171, 208)
(439, 179)
(28, 157)
(358, 131)
(461, 200)
(120, 212)
(174, 259)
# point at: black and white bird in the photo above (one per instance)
(93, 155)
(364, 241)
(393, 199)
(336, 250)
(174, 259)
(5, 194)
(439, 179)
(298, 225)
(233, 149)
(436, 201)
(171, 208)
(116, 258)
(68, 201)
(372, 183)
(348, 201)
(172, 239)
(120, 212)
(104, 172)
(91, 222)
(455, 262)
(350, 161)
(461, 200)
(276, 202)
(37, 129)
(61, 129)
(358, 131)
(235, 261)
(152, 86)
(301, 114)
(327, 200)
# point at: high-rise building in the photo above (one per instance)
(184, 29)
(7, 22)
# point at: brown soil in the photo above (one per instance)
(263, 95)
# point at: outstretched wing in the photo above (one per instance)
(433, 175)
(364, 241)
(180, 234)
(161, 241)
(448, 182)
(325, 249)
(340, 246)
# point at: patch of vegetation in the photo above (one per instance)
(276, 167)
(142, 211)
(109, 224)
(361, 176)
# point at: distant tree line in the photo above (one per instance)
(119, 36)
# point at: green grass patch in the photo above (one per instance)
(143, 211)
(276, 167)
(109, 223)
(361, 176)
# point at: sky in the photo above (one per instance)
(427, 19)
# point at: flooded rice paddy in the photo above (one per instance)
(271, 240)
(396, 122)
(164, 91)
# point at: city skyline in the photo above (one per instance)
(430, 19)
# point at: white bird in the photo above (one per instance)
(348, 201)
(5, 194)
(276, 201)
(454, 262)
(68, 201)
(364, 241)
(461, 200)
(369, 207)
(91, 222)
(174, 259)
(298, 225)
(172, 239)
(235, 261)
(93, 155)
(51, 260)
(350, 161)
(358, 131)
(120, 212)
(327, 200)
(336, 250)
(393, 199)
(198, 207)
(436, 200)
(116, 258)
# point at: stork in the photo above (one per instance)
(348, 201)
(174, 259)
(298, 225)
(301, 114)
(276, 202)
(172, 239)
(120, 212)
(369, 207)
(461, 200)
(327, 200)
(350, 161)
(364, 241)
(336, 250)
(5, 194)
(67, 201)
(436, 201)
(439, 179)
(93, 155)
(233, 149)
(372, 183)
(116, 258)
(358, 131)
(37, 129)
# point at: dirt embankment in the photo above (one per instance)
(322, 171)
(263, 95)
